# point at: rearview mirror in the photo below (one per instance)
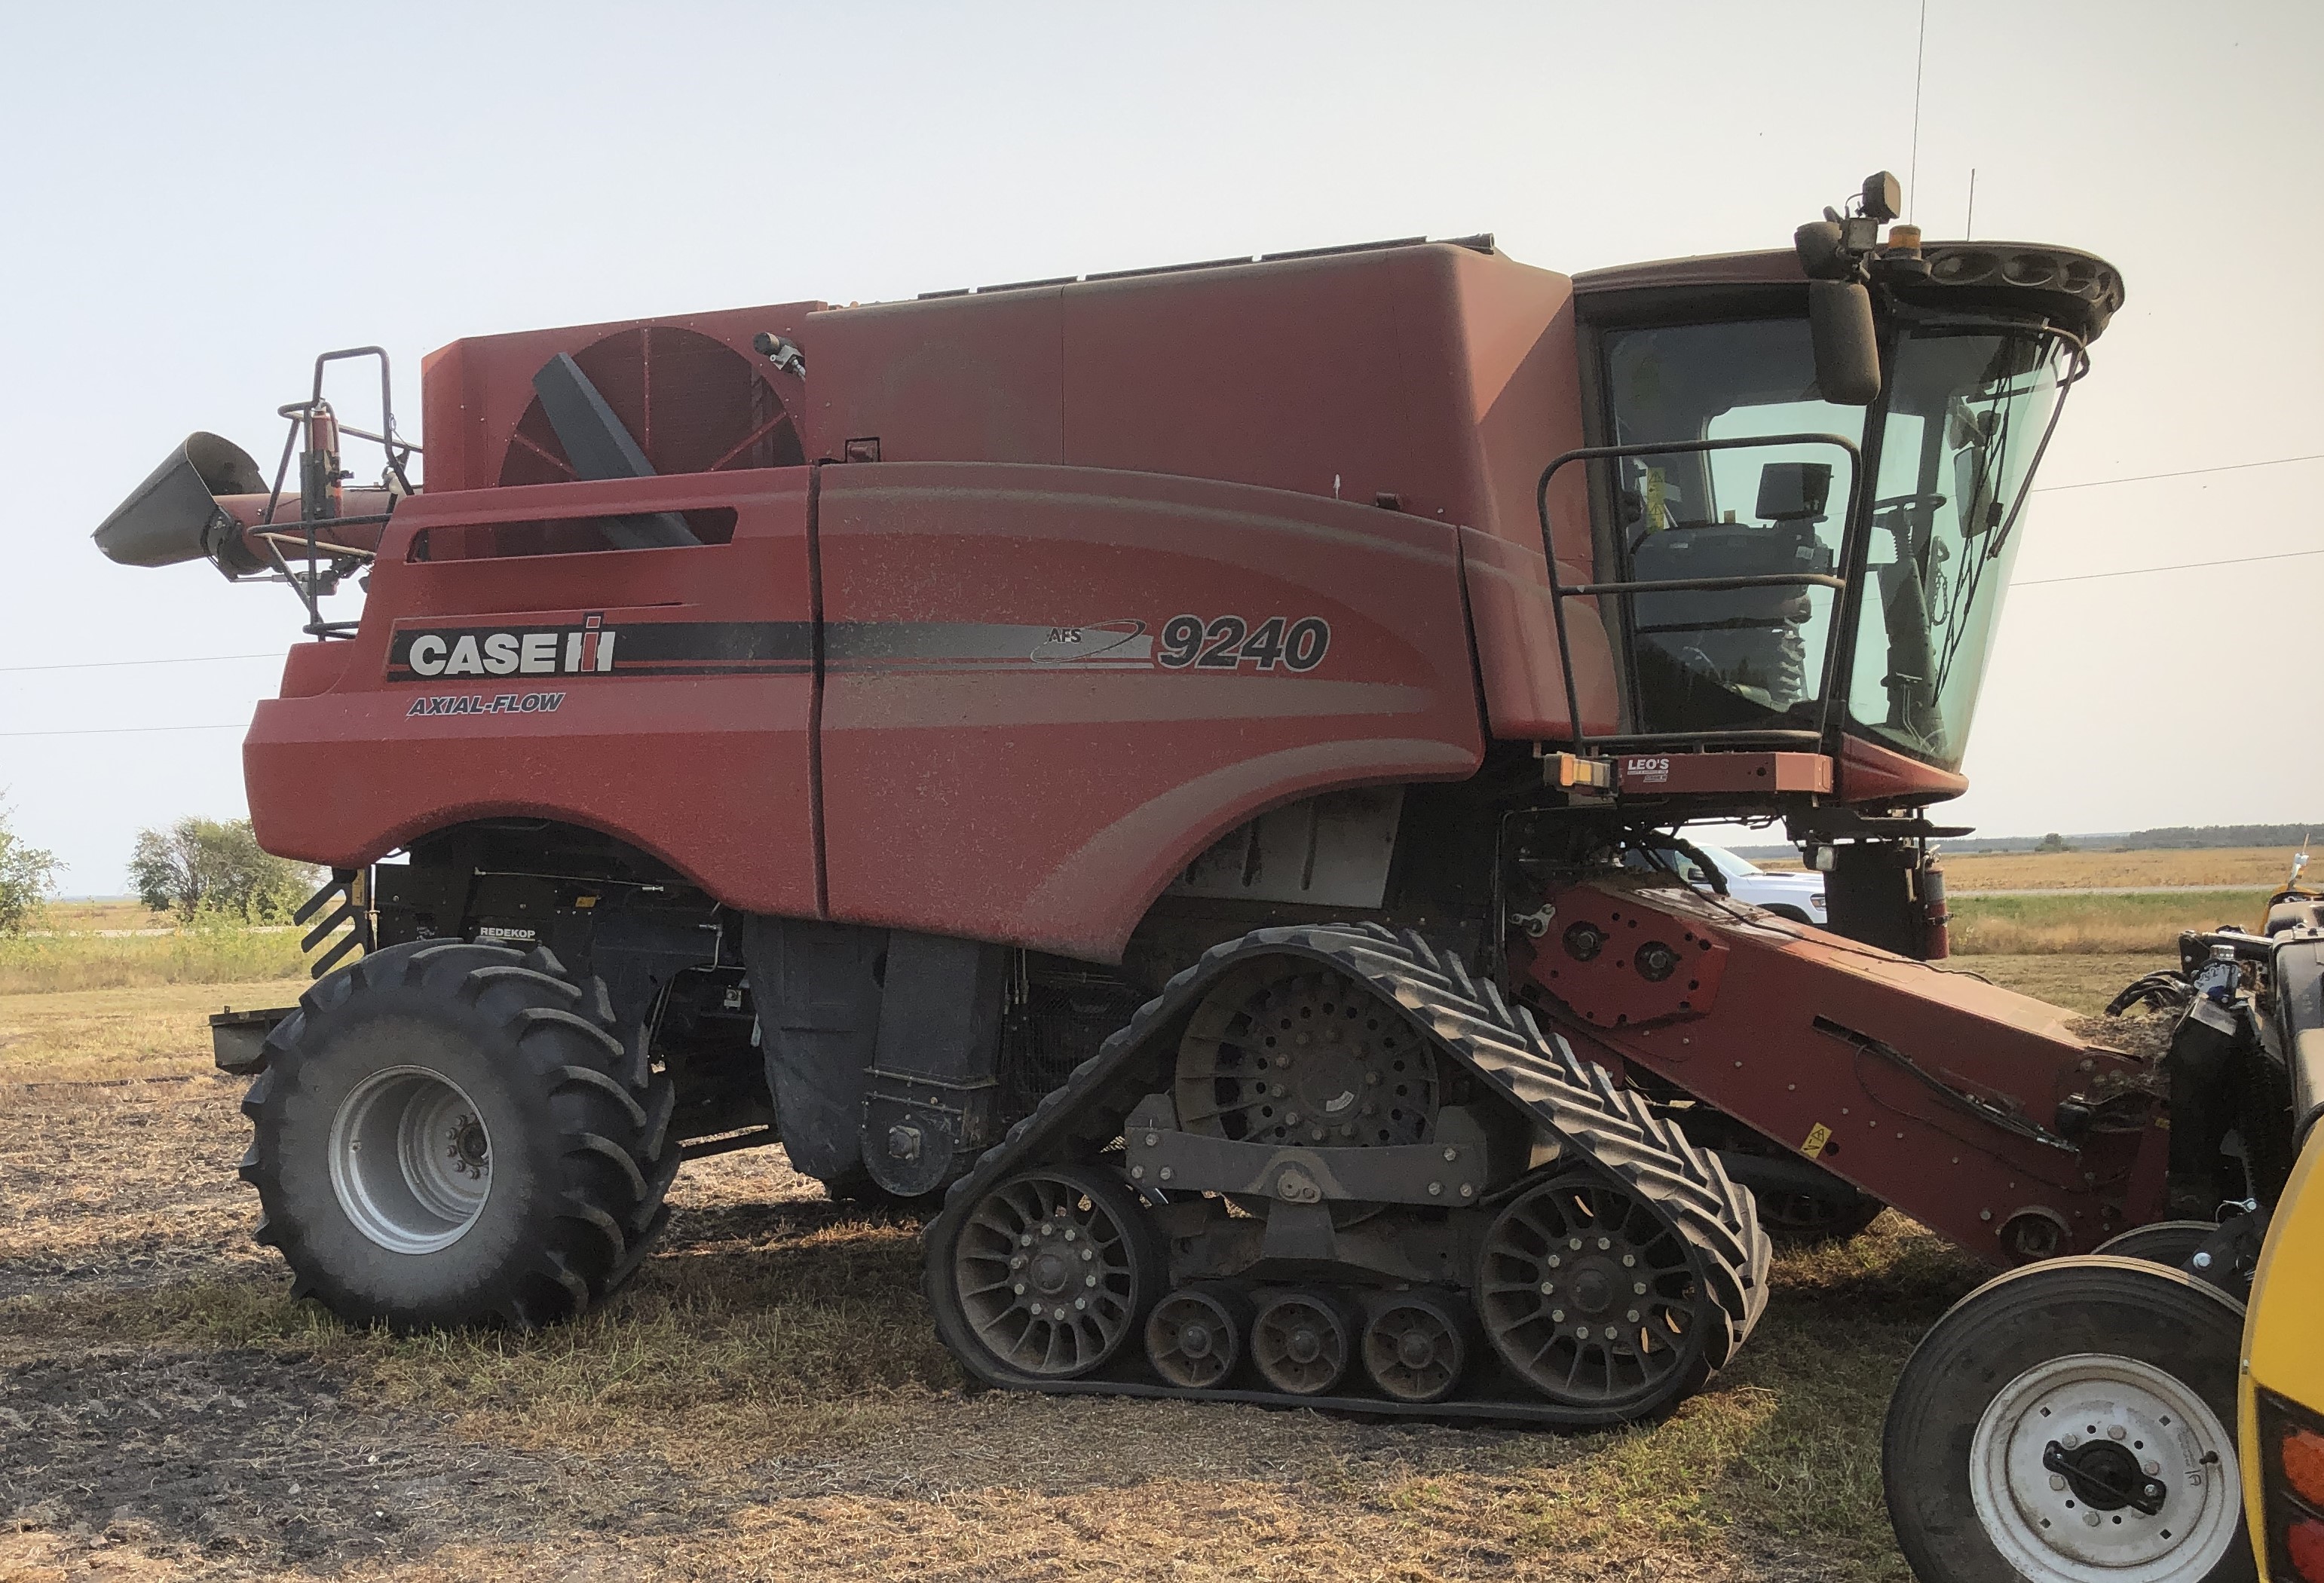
(1847, 346)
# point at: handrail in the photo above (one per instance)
(1559, 593)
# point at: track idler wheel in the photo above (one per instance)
(1054, 1268)
(1592, 1300)
(1416, 1347)
(1193, 1339)
(1302, 1342)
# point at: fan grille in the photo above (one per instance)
(692, 403)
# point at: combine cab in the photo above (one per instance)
(1180, 769)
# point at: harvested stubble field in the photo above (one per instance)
(766, 1400)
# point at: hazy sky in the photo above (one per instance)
(198, 199)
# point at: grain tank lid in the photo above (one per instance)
(2078, 292)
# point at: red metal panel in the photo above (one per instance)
(1004, 756)
(1873, 773)
(956, 379)
(1876, 1061)
(708, 772)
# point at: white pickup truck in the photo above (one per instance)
(1795, 895)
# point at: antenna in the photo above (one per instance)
(1912, 170)
(1969, 226)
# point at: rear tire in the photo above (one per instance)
(450, 1134)
(1998, 1384)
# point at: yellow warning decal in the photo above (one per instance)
(1817, 1136)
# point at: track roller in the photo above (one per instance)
(1193, 1339)
(1302, 1341)
(1055, 1267)
(1415, 1346)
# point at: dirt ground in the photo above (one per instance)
(765, 1400)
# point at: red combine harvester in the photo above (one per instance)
(1185, 764)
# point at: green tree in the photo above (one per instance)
(214, 866)
(28, 878)
(2054, 843)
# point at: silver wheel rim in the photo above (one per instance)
(2038, 1520)
(411, 1160)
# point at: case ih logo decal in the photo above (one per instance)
(594, 648)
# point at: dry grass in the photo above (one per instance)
(2228, 867)
(62, 963)
(2114, 925)
(91, 914)
(766, 1401)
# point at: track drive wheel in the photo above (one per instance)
(2072, 1422)
(1054, 1270)
(449, 1134)
(1593, 1302)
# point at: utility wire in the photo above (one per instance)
(116, 731)
(111, 664)
(2181, 567)
(2182, 472)
(2037, 489)
(1920, 56)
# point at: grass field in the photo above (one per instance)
(2227, 867)
(766, 1400)
(2031, 925)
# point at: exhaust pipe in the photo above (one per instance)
(175, 515)
(209, 501)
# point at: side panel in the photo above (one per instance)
(1008, 753)
(1936, 1091)
(681, 679)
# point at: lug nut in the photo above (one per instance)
(1632, 1316)
(1547, 1287)
(1166, 1173)
(1555, 1260)
(1450, 1155)
(1629, 1259)
(1018, 1288)
(2057, 1481)
(1557, 1316)
(1435, 1189)
(1090, 1252)
(1089, 1280)
(1071, 1234)
(1639, 1287)
(1018, 1263)
(1604, 1243)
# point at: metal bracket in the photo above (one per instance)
(1449, 1171)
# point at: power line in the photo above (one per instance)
(2182, 472)
(1920, 55)
(116, 731)
(2181, 567)
(111, 664)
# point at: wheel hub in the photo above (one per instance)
(411, 1159)
(2095, 1465)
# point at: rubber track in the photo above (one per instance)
(1471, 1022)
